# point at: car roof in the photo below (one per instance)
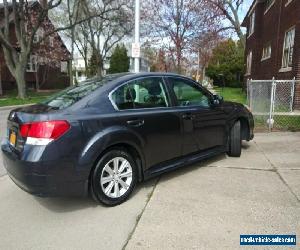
(124, 77)
(144, 74)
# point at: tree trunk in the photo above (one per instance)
(21, 83)
(37, 85)
(178, 61)
(1, 90)
(70, 69)
(242, 38)
(99, 63)
(203, 72)
(72, 51)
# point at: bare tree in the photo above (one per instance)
(203, 46)
(82, 44)
(176, 23)
(103, 33)
(17, 44)
(17, 48)
(74, 10)
(229, 9)
(107, 22)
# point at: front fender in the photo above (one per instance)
(109, 137)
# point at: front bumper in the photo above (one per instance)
(42, 178)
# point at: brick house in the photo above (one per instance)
(273, 41)
(41, 71)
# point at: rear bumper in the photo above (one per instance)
(41, 178)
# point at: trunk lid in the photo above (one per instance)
(23, 115)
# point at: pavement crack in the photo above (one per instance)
(140, 214)
(279, 175)
(241, 168)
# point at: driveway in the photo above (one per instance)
(204, 206)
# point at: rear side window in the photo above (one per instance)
(187, 94)
(69, 96)
(142, 93)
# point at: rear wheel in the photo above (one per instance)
(114, 177)
(235, 140)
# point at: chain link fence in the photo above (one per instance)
(273, 104)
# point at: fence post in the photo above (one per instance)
(250, 88)
(292, 93)
(271, 104)
(248, 99)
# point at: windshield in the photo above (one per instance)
(73, 94)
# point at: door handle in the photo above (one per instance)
(136, 123)
(187, 116)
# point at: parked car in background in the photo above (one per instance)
(106, 134)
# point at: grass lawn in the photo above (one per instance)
(281, 122)
(10, 97)
(232, 94)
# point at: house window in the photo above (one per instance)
(269, 4)
(288, 48)
(64, 66)
(32, 64)
(266, 53)
(51, 41)
(249, 63)
(39, 35)
(251, 23)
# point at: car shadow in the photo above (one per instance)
(246, 145)
(71, 204)
(65, 204)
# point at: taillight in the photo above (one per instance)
(41, 133)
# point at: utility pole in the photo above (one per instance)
(136, 45)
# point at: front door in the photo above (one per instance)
(204, 125)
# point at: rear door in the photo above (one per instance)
(143, 105)
(204, 125)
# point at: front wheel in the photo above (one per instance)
(114, 177)
(235, 141)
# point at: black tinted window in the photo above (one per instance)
(142, 93)
(187, 94)
(73, 94)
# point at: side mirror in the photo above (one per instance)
(217, 100)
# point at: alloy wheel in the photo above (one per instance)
(116, 177)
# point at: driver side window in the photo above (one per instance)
(187, 94)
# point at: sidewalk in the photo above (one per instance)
(208, 206)
(204, 206)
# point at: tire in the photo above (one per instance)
(112, 186)
(235, 141)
